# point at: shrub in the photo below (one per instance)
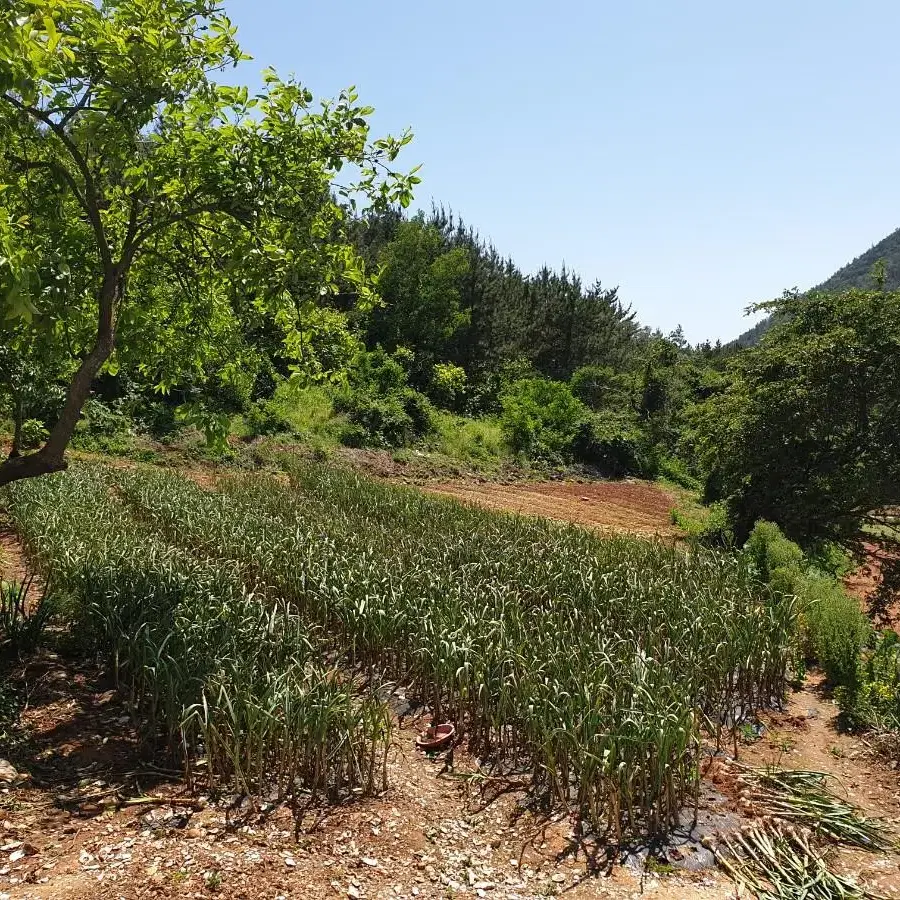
(611, 444)
(448, 385)
(778, 560)
(831, 559)
(707, 525)
(541, 418)
(878, 697)
(836, 630)
(673, 469)
(103, 428)
(33, 434)
(394, 420)
(264, 417)
(488, 385)
(308, 407)
(157, 418)
(381, 409)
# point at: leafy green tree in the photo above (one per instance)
(420, 283)
(807, 431)
(541, 418)
(602, 387)
(121, 152)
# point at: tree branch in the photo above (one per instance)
(57, 169)
(149, 230)
(92, 203)
(78, 107)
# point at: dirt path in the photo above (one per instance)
(636, 507)
(806, 737)
(431, 835)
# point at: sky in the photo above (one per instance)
(700, 155)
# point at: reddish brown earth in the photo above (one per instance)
(864, 584)
(636, 507)
(70, 833)
(67, 835)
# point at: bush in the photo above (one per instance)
(264, 417)
(488, 385)
(448, 385)
(308, 407)
(394, 420)
(778, 560)
(877, 700)
(610, 444)
(157, 418)
(673, 469)
(834, 629)
(103, 427)
(380, 407)
(707, 525)
(33, 434)
(831, 559)
(541, 418)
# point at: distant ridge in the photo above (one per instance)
(855, 274)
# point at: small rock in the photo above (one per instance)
(9, 775)
(559, 878)
(353, 892)
(368, 861)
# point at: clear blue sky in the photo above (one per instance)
(701, 155)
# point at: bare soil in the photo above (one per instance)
(806, 736)
(634, 507)
(864, 584)
(67, 835)
(70, 833)
(430, 835)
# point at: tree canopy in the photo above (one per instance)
(806, 431)
(148, 213)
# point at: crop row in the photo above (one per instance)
(595, 663)
(211, 671)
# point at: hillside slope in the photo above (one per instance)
(855, 274)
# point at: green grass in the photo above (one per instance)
(309, 408)
(476, 442)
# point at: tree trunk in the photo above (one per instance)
(51, 457)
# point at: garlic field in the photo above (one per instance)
(259, 629)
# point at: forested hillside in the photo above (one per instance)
(856, 274)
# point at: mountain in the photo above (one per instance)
(855, 274)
